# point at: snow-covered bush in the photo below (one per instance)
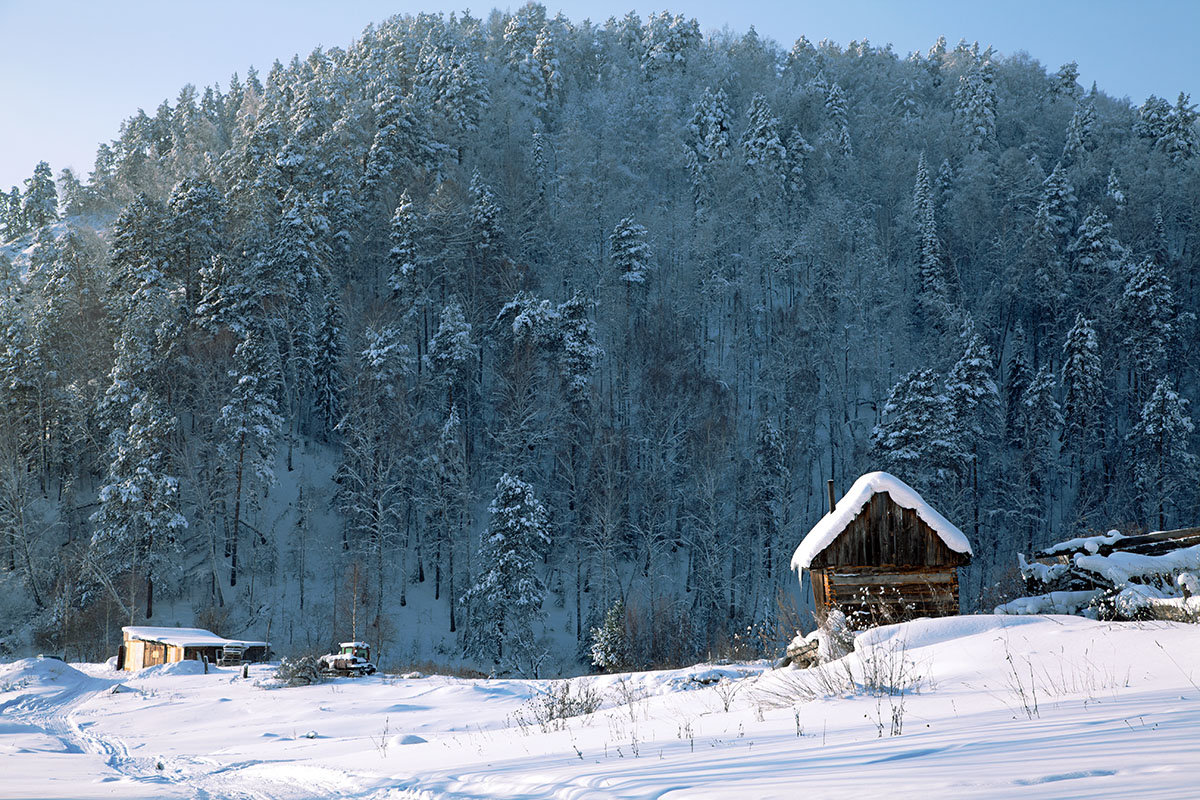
(561, 701)
(302, 671)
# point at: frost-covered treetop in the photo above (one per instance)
(866, 487)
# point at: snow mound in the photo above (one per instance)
(41, 670)
(409, 738)
(926, 632)
(1051, 603)
(832, 524)
(190, 667)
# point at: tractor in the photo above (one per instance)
(352, 660)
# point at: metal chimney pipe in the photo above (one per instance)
(832, 499)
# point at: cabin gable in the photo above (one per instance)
(885, 534)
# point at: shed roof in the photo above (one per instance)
(903, 495)
(183, 637)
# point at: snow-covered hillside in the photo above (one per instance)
(980, 706)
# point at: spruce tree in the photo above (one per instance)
(933, 292)
(1083, 395)
(913, 438)
(39, 205)
(1149, 318)
(505, 600)
(1164, 467)
(328, 383)
(251, 425)
(1079, 132)
(630, 252)
(452, 355)
(1057, 204)
(761, 146)
(194, 227)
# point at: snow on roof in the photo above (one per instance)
(354, 644)
(832, 524)
(183, 637)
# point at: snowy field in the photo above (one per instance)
(1031, 707)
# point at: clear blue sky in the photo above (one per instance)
(73, 69)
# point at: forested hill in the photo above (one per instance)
(467, 333)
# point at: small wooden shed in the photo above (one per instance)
(883, 554)
(147, 646)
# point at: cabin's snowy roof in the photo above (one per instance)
(832, 524)
(182, 637)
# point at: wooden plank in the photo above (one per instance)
(893, 578)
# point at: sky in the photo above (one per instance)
(74, 69)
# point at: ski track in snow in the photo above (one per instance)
(1108, 710)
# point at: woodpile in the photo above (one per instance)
(1115, 576)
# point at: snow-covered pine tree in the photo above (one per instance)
(912, 438)
(138, 520)
(797, 152)
(1149, 318)
(1016, 380)
(760, 142)
(328, 383)
(975, 106)
(1179, 141)
(1039, 423)
(1154, 120)
(769, 504)
(1064, 83)
(974, 405)
(137, 256)
(17, 224)
(1113, 190)
(251, 425)
(1098, 259)
(452, 355)
(708, 140)
(1083, 394)
(667, 41)
(194, 229)
(402, 145)
(630, 251)
(449, 509)
(933, 291)
(579, 353)
(39, 206)
(610, 650)
(1057, 203)
(1164, 468)
(1079, 132)
(505, 599)
(839, 122)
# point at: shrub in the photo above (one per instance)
(552, 708)
(302, 671)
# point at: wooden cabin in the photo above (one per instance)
(882, 554)
(146, 646)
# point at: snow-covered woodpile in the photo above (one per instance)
(883, 554)
(1115, 576)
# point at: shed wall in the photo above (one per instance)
(886, 565)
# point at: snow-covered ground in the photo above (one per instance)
(1035, 707)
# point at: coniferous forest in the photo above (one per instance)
(480, 334)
